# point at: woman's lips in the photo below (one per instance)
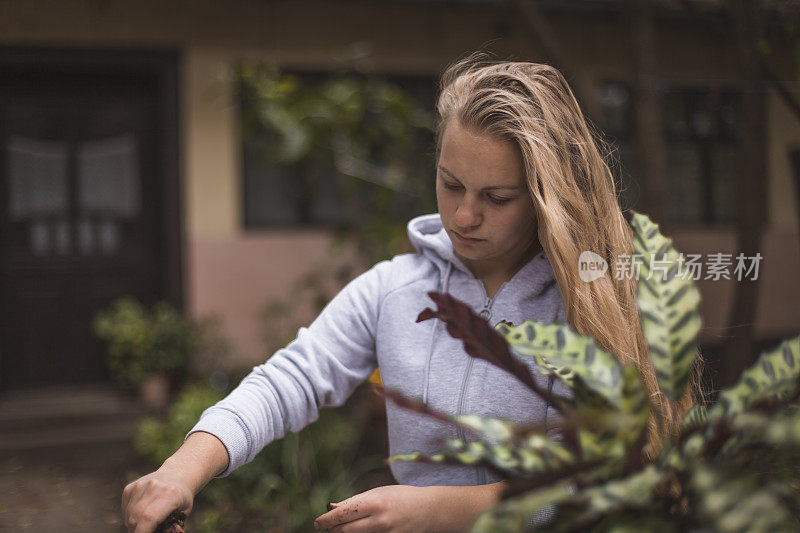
(466, 240)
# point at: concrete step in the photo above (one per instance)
(52, 418)
(77, 435)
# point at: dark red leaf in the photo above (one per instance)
(479, 339)
(413, 404)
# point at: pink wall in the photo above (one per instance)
(234, 278)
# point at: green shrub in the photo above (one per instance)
(141, 342)
(364, 136)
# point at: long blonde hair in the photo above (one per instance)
(575, 201)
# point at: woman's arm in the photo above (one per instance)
(150, 499)
(458, 507)
(321, 367)
(404, 508)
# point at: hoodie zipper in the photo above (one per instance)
(485, 313)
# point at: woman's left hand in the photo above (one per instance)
(393, 508)
(402, 508)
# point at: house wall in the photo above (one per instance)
(231, 272)
(783, 135)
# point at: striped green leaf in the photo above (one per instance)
(693, 445)
(779, 431)
(417, 456)
(773, 429)
(514, 515)
(609, 399)
(513, 460)
(533, 455)
(696, 416)
(551, 449)
(630, 522)
(773, 376)
(668, 305)
(694, 420)
(455, 452)
(634, 406)
(633, 492)
(493, 430)
(610, 432)
(501, 444)
(487, 429)
(577, 510)
(740, 501)
(561, 352)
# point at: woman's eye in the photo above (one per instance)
(499, 201)
(451, 186)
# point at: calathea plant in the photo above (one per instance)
(732, 467)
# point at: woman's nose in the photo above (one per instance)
(467, 214)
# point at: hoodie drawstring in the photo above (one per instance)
(446, 286)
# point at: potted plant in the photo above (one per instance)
(732, 466)
(147, 349)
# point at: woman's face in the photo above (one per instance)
(483, 199)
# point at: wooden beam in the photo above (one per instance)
(751, 187)
(546, 39)
(648, 115)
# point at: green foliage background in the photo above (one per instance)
(366, 134)
(142, 341)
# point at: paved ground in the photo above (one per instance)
(65, 456)
(50, 498)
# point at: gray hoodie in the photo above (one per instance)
(372, 323)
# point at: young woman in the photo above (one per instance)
(522, 190)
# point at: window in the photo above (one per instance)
(319, 189)
(700, 134)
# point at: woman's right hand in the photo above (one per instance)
(149, 500)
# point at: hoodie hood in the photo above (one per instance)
(431, 240)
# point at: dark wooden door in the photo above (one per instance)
(80, 216)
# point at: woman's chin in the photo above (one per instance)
(465, 253)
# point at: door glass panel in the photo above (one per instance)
(63, 236)
(86, 236)
(109, 236)
(39, 238)
(38, 178)
(108, 177)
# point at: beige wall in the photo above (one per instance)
(783, 135)
(210, 143)
(233, 273)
